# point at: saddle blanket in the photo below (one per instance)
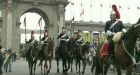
(104, 49)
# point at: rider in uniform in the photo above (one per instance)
(32, 42)
(113, 26)
(79, 39)
(63, 37)
(44, 41)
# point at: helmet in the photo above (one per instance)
(115, 11)
(32, 34)
(63, 29)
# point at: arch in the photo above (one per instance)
(39, 10)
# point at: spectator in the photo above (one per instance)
(8, 64)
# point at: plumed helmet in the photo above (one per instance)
(115, 11)
(32, 33)
(63, 29)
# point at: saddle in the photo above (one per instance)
(104, 49)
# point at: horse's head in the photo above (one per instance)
(51, 42)
(134, 31)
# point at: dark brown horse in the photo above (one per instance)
(123, 52)
(71, 45)
(31, 56)
(80, 56)
(48, 54)
(62, 52)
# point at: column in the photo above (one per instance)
(0, 28)
(61, 17)
(16, 39)
(91, 37)
(9, 30)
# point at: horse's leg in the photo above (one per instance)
(63, 65)
(35, 67)
(31, 68)
(49, 66)
(41, 66)
(45, 67)
(57, 60)
(129, 70)
(118, 70)
(71, 64)
(79, 66)
(98, 68)
(106, 67)
(76, 65)
(84, 65)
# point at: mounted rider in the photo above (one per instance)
(113, 26)
(44, 41)
(63, 37)
(79, 39)
(32, 42)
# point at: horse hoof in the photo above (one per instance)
(48, 71)
(57, 71)
(83, 72)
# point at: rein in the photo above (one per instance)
(132, 57)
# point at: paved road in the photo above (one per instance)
(20, 67)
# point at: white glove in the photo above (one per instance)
(124, 30)
(109, 33)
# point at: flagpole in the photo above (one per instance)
(91, 11)
(25, 35)
(100, 11)
(40, 24)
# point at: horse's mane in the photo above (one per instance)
(51, 43)
(127, 34)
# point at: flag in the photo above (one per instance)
(39, 21)
(72, 19)
(72, 3)
(101, 5)
(81, 4)
(25, 21)
(120, 6)
(138, 7)
(91, 4)
(128, 8)
(82, 12)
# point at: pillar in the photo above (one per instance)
(0, 28)
(16, 39)
(9, 31)
(61, 9)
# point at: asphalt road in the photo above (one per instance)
(20, 67)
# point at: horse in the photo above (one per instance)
(123, 52)
(61, 52)
(48, 54)
(71, 45)
(80, 55)
(31, 56)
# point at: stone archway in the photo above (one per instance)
(53, 11)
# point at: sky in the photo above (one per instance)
(92, 12)
(97, 13)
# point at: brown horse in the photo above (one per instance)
(123, 52)
(48, 54)
(80, 56)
